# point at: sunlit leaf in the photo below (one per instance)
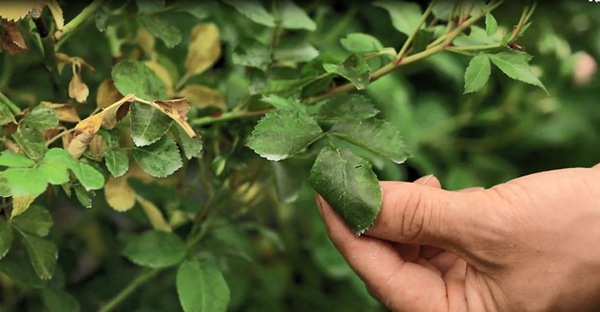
(201, 287)
(348, 184)
(155, 249)
(12, 159)
(107, 93)
(20, 204)
(31, 141)
(88, 176)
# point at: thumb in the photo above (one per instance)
(418, 214)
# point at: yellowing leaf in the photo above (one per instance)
(83, 135)
(15, 10)
(146, 41)
(57, 14)
(97, 147)
(65, 112)
(112, 114)
(154, 215)
(107, 94)
(202, 96)
(78, 90)
(119, 195)
(20, 204)
(162, 73)
(204, 48)
(11, 40)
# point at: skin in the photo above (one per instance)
(531, 244)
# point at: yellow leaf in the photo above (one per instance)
(146, 41)
(204, 48)
(97, 147)
(162, 73)
(83, 135)
(57, 14)
(202, 96)
(112, 114)
(15, 10)
(65, 112)
(107, 94)
(154, 215)
(119, 195)
(78, 90)
(21, 204)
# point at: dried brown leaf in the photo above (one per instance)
(119, 195)
(202, 96)
(83, 135)
(204, 49)
(107, 94)
(78, 90)
(12, 41)
(65, 112)
(177, 110)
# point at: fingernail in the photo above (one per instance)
(424, 180)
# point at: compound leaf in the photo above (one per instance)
(159, 159)
(515, 65)
(354, 68)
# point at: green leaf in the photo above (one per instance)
(84, 197)
(11, 159)
(6, 238)
(347, 107)
(361, 43)
(251, 53)
(17, 267)
(515, 65)
(286, 87)
(56, 300)
(477, 36)
(378, 136)
(35, 220)
(148, 124)
(477, 73)
(160, 27)
(191, 147)
(56, 164)
(288, 180)
(283, 134)
(155, 249)
(354, 68)
(201, 287)
(40, 118)
(150, 7)
(31, 141)
(160, 159)
(294, 17)
(405, 15)
(6, 115)
(282, 103)
(253, 10)
(25, 181)
(133, 77)
(42, 254)
(88, 176)
(491, 25)
(117, 161)
(348, 184)
(295, 51)
(4, 187)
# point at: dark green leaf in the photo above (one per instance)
(56, 300)
(253, 10)
(191, 147)
(84, 197)
(31, 141)
(133, 77)
(286, 87)
(40, 118)
(378, 136)
(405, 15)
(284, 103)
(35, 220)
(17, 267)
(515, 65)
(6, 238)
(347, 107)
(117, 161)
(88, 176)
(11, 159)
(161, 28)
(361, 43)
(148, 124)
(25, 181)
(42, 254)
(294, 51)
(150, 7)
(288, 180)
(201, 287)
(294, 17)
(491, 25)
(477, 73)
(348, 184)
(354, 68)
(283, 134)
(155, 249)
(160, 159)
(251, 53)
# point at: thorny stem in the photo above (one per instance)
(416, 31)
(228, 116)
(129, 289)
(62, 34)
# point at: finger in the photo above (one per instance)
(597, 166)
(400, 284)
(416, 214)
(429, 180)
(472, 189)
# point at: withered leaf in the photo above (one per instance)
(162, 73)
(204, 48)
(12, 41)
(107, 94)
(119, 195)
(202, 96)
(83, 135)
(65, 112)
(154, 215)
(177, 110)
(78, 90)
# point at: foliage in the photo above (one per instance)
(160, 155)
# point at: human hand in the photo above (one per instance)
(532, 244)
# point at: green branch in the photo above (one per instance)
(228, 116)
(62, 34)
(416, 31)
(12, 106)
(129, 289)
